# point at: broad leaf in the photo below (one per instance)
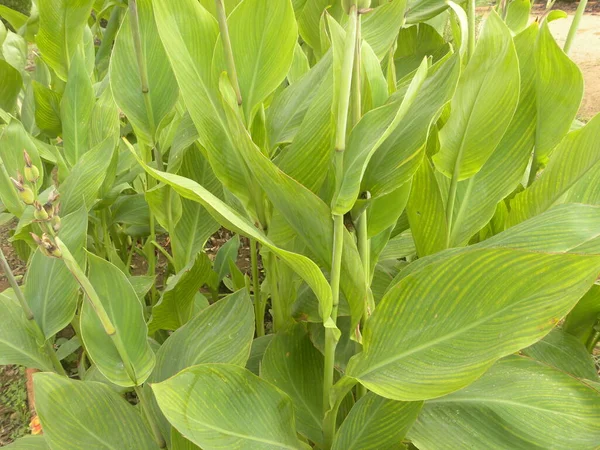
(564, 352)
(477, 197)
(76, 110)
(380, 27)
(221, 333)
(415, 43)
(398, 158)
(375, 423)
(144, 110)
(517, 404)
(517, 15)
(62, 24)
(295, 366)
(10, 86)
(176, 305)
(582, 318)
(485, 101)
(263, 36)
(18, 341)
(576, 156)
(559, 89)
(78, 414)
(188, 400)
(126, 314)
(482, 304)
(29, 442)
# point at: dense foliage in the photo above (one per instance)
(420, 208)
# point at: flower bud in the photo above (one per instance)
(40, 212)
(32, 173)
(56, 222)
(40, 243)
(25, 193)
(50, 247)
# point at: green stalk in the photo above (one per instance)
(338, 393)
(338, 220)
(259, 307)
(158, 437)
(29, 314)
(364, 251)
(471, 28)
(227, 50)
(594, 337)
(575, 26)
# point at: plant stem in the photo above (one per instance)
(471, 28)
(259, 308)
(338, 220)
(227, 50)
(158, 437)
(356, 79)
(364, 252)
(338, 393)
(574, 25)
(29, 314)
(164, 252)
(594, 337)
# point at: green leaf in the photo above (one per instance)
(307, 215)
(188, 400)
(582, 318)
(381, 26)
(10, 86)
(295, 366)
(375, 423)
(176, 305)
(15, 18)
(300, 65)
(105, 119)
(221, 333)
(517, 15)
(47, 109)
(196, 224)
(559, 90)
(18, 342)
(263, 36)
(477, 197)
(228, 252)
(51, 292)
(76, 110)
(126, 314)
(517, 404)
(307, 158)
(368, 136)
(165, 205)
(209, 5)
(190, 51)
(426, 212)
(421, 10)
(481, 304)
(257, 351)
(178, 442)
(83, 184)
(307, 269)
(564, 352)
(398, 158)
(13, 140)
(77, 414)
(308, 15)
(575, 157)
(289, 108)
(62, 23)
(29, 442)
(485, 101)
(144, 110)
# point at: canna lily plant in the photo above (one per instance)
(418, 203)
